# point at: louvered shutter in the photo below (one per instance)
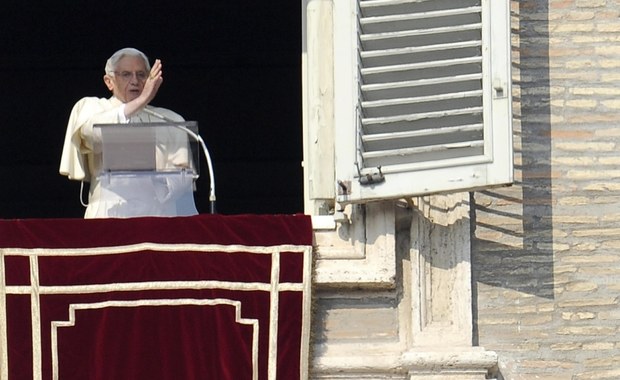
(430, 90)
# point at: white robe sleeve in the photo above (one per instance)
(85, 113)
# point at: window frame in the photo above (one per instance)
(356, 241)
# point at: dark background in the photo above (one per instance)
(234, 66)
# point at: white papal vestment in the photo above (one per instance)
(126, 196)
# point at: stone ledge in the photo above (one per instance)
(469, 358)
(389, 360)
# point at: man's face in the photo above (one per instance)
(128, 80)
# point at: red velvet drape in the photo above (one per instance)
(201, 297)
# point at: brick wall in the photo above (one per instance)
(545, 256)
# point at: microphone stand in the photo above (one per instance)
(198, 138)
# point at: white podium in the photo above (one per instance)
(147, 169)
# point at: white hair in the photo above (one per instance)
(110, 65)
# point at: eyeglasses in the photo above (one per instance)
(127, 75)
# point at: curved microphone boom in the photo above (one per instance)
(198, 138)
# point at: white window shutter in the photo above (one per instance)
(423, 97)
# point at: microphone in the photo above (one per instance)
(198, 138)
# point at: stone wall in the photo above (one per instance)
(545, 252)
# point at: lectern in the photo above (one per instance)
(148, 169)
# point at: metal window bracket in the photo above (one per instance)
(371, 178)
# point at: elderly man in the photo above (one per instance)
(134, 84)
